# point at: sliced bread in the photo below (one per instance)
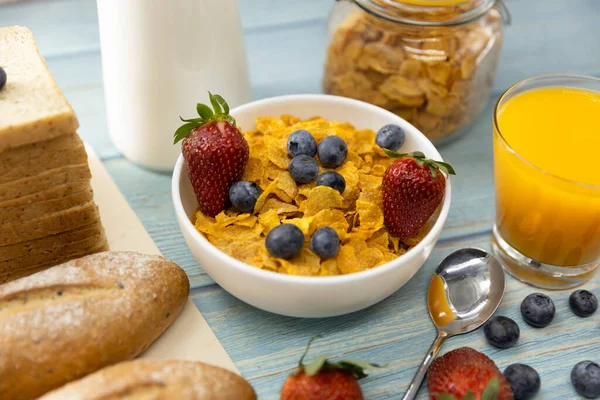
(33, 107)
(70, 175)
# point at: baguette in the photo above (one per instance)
(157, 380)
(75, 318)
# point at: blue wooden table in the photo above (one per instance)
(285, 42)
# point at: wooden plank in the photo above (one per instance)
(396, 332)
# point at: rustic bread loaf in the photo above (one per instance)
(75, 318)
(33, 107)
(157, 380)
(51, 179)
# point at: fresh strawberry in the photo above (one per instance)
(215, 154)
(466, 374)
(325, 380)
(412, 190)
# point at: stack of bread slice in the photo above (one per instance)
(47, 209)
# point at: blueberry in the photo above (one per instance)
(524, 381)
(538, 310)
(332, 151)
(333, 179)
(2, 78)
(243, 196)
(284, 241)
(502, 332)
(390, 137)
(583, 303)
(303, 168)
(585, 378)
(301, 142)
(325, 242)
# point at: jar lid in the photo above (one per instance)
(432, 12)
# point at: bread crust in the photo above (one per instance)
(157, 380)
(75, 318)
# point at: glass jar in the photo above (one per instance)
(432, 62)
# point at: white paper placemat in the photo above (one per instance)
(190, 337)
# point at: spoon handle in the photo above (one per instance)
(414, 386)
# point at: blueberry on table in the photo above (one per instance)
(585, 378)
(2, 78)
(325, 242)
(390, 137)
(524, 381)
(243, 196)
(502, 332)
(284, 241)
(333, 179)
(332, 151)
(583, 303)
(538, 310)
(301, 142)
(303, 168)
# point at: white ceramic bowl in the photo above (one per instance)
(300, 296)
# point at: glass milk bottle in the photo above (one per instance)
(159, 58)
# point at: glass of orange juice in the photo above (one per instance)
(547, 177)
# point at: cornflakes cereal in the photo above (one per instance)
(356, 214)
(435, 77)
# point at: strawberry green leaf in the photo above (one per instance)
(215, 104)
(492, 390)
(447, 168)
(433, 170)
(184, 130)
(355, 367)
(314, 367)
(469, 396)
(222, 103)
(393, 154)
(446, 397)
(204, 111)
(221, 113)
(199, 120)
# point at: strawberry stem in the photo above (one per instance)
(219, 112)
(421, 160)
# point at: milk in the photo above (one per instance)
(159, 58)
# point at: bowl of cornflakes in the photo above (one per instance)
(370, 263)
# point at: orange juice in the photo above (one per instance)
(547, 174)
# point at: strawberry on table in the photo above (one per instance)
(466, 374)
(325, 380)
(215, 154)
(413, 188)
